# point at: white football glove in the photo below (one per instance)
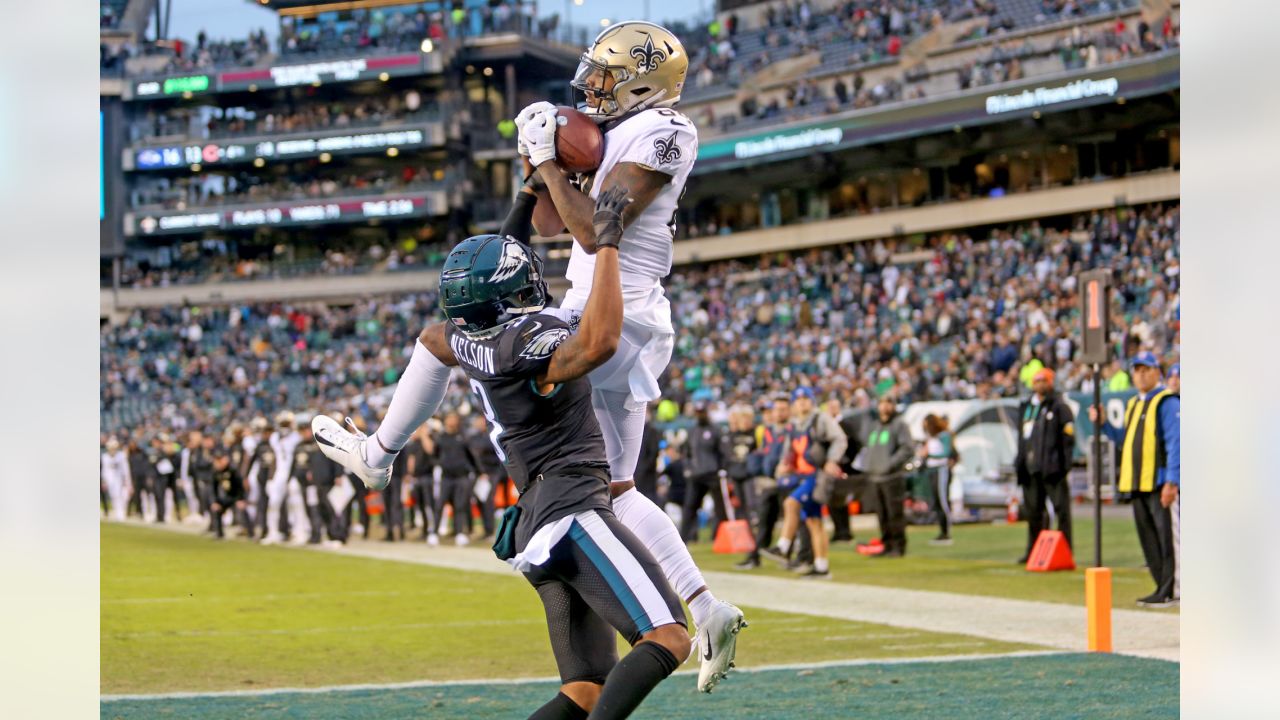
(523, 118)
(539, 135)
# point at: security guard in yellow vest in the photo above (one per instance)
(1150, 470)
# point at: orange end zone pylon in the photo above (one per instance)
(1097, 597)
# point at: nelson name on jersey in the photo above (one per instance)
(473, 354)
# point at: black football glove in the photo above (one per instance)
(607, 220)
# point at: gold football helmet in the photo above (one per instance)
(631, 65)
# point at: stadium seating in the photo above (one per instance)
(853, 320)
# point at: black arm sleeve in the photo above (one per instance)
(519, 222)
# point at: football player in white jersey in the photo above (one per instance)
(631, 77)
(632, 74)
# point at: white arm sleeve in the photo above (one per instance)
(417, 397)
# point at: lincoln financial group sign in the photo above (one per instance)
(782, 143)
(1042, 96)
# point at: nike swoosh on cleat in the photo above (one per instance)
(706, 653)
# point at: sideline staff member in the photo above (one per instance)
(1045, 447)
(1150, 470)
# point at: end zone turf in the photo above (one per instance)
(1047, 686)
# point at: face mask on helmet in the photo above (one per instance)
(597, 82)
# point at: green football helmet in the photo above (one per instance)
(490, 281)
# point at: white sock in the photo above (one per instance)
(623, 430)
(820, 564)
(661, 538)
(701, 606)
(784, 544)
(417, 397)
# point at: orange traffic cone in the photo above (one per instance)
(733, 535)
(1050, 553)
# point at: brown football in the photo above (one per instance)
(579, 142)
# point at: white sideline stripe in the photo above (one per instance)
(529, 681)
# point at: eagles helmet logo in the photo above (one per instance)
(648, 55)
(512, 261)
(544, 343)
(668, 150)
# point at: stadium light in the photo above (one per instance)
(578, 3)
(259, 162)
(392, 152)
(488, 72)
(325, 157)
(427, 45)
(384, 77)
(604, 22)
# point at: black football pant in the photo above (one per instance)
(768, 510)
(323, 516)
(163, 484)
(695, 489)
(490, 504)
(393, 508)
(891, 493)
(424, 499)
(1039, 491)
(838, 507)
(215, 516)
(1155, 532)
(457, 492)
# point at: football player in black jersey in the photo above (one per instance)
(528, 373)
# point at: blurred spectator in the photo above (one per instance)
(940, 456)
(183, 121)
(708, 458)
(1046, 444)
(1150, 470)
(889, 447)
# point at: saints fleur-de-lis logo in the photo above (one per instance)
(648, 55)
(668, 150)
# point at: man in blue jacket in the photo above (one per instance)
(1150, 470)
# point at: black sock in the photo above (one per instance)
(561, 707)
(633, 678)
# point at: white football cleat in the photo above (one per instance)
(272, 538)
(718, 644)
(461, 540)
(347, 449)
(433, 540)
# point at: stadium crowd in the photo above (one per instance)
(972, 317)
(212, 261)
(816, 93)
(311, 117)
(245, 187)
(956, 317)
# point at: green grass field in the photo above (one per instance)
(182, 613)
(981, 563)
